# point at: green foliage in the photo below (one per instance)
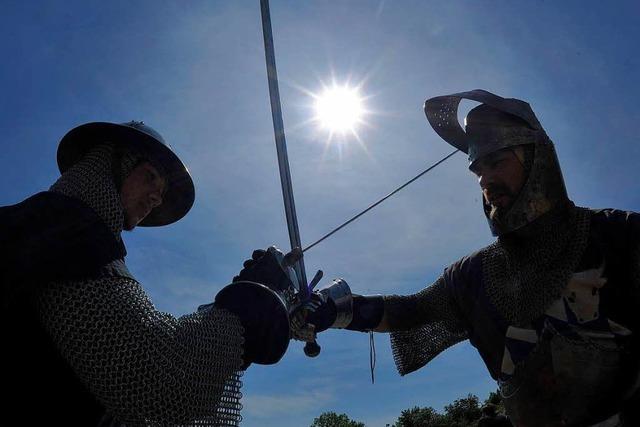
(463, 412)
(495, 399)
(331, 419)
(420, 417)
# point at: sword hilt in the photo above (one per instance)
(311, 349)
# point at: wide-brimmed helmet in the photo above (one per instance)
(148, 144)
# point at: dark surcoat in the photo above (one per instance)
(47, 237)
(576, 363)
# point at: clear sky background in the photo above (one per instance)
(195, 71)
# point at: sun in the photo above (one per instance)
(339, 109)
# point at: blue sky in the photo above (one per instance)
(195, 71)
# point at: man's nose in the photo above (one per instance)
(486, 179)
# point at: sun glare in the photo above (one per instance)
(339, 109)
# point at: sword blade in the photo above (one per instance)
(281, 147)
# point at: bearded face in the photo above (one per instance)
(501, 176)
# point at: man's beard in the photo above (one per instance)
(498, 213)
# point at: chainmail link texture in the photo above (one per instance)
(91, 181)
(146, 367)
(524, 275)
(438, 326)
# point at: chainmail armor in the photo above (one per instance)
(440, 328)
(147, 368)
(523, 276)
(91, 181)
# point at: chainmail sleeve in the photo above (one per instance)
(423, 325)
(144, 366)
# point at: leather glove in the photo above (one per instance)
(337, 307)
(321, 311)
(266, 267)
(331, 307)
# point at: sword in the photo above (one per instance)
(311, 349)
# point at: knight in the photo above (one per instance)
(83, 344)
(551, 305)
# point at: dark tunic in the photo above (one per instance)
(48, 237)
(590, 334)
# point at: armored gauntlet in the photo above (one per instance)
(337, 307)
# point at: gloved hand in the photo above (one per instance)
(320, 311)
(336, 307)
(266, 267)
(255, 256)
(331, 307)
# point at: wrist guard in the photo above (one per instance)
(367, 312)
(340, 295)
(354, 312)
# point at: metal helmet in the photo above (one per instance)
(180, 193)
(497, 124)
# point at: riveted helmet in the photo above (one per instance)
(149, 144)
(496, 124)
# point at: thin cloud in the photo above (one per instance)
(284, 406)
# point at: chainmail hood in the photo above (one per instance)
(496, 124)
(92, 181)
(490, 130)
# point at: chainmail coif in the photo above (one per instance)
(146, 367)
(524, 275)
(91, 181)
